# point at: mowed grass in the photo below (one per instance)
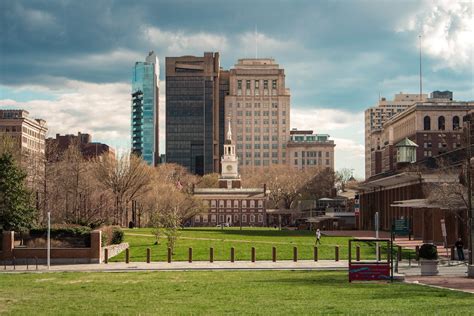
(222, 240)
(220, 292)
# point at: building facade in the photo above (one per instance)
(29, 133)
(230, 204)
(60, 143)
(194, 114)
(308, 150)
(145, 109)
(259, 106)
(375, 117)
(435, 127)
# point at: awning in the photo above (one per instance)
(423, 203)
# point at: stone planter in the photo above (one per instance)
(429, 267)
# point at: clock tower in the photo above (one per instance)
(229, 177)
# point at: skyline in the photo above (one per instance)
(63, 70)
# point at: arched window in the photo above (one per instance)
(441, 125)
(427, 123)
(455, 122)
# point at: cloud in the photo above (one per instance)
(180, 43)
(100, 109)
(447, 29)
(346, 129)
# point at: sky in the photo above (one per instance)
(70, 62)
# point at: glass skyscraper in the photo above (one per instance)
(144, 118)
(194, 118)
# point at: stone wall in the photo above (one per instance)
(114, 250)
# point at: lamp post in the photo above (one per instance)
(48, 255)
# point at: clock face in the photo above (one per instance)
(229, 167)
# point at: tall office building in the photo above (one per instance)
(308, 150)
(195, 91)
(259, 106)
(145, 109)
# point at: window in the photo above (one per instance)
(239, 84)
(239, 113)
(427, 123)
(441, 123)
(456, 123)
(296, 154)
(274, 84)
(252, 218)
(247, 84)
(221, 218)
(260, 218)
(257, 84)
(213, 218)
(244, 218)
(265, 84)
(204, 218)
(197, 219)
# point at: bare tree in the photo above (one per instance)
(127, 178)
(343, 176)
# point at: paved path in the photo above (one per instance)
(186, 266)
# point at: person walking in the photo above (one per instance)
(460, 249)
(318, 236)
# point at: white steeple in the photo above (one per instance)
(229, 131)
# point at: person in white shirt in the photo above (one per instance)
(318, 236)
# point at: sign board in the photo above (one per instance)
(369, 271)
(401, 227)
(443, 228)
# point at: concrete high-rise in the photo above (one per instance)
(145, 109)
(259, 106)
(195, 91)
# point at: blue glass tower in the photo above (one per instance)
(144, 118)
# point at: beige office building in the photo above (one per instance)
(376, 116)
(29, 133)
(308, 150)
(258, 104)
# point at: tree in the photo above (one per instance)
(127, 178)
(210, 180)
(343, 176)
(16, 207)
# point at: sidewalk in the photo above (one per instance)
(186, 266)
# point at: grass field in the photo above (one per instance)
(263, 239)
(220, 292)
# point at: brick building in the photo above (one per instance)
(306, 149)
(89, 149)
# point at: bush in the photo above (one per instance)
(117, 236)
(428, 252)
(68, 235)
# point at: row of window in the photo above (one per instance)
(256, 84)
(312, 162)
(236, 218)
(258, 112)
(312, 154)
(235, 203)
(258, 162)
(257, 105)
(441, 123)
(260, 130)
(258, 122)
(265, 138)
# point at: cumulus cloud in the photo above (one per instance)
(100, 109)
(447, 29)
(180, 43)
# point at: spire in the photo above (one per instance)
(229, 132)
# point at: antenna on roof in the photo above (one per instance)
(421, 77)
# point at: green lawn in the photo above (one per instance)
(263, 239)
(220, 292)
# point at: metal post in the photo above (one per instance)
(253, 254)
(377, 254)
(232, 254)
(48, 255)
(399, 253)
(106, 255)
(336, 254)
(358, 253)
(211, 254)
(295, 254)
(169, 255)
(127, 255)
(190, 255)
(315, 253)
(274, 254)
(148, 255)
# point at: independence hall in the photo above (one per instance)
(418, 170)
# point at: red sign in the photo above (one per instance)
(369, 272)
